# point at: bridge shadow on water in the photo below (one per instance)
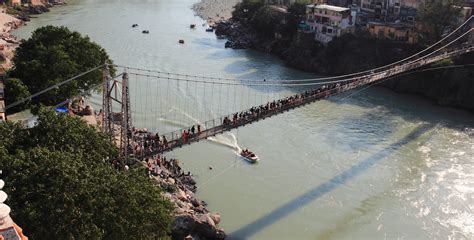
(409, 107)
(319, 191)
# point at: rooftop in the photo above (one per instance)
(329, 7)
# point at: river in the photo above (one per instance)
(366, 165)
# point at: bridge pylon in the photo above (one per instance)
(107, 116)
(117, 124)
(126, 123)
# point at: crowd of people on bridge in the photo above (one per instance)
(276, 106)
(146, 143)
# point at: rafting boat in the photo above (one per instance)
(249, 156)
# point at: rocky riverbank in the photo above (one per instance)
(8, 42)
(12, 18)
(215, 11)
(192, 219)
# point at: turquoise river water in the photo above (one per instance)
(367, 165)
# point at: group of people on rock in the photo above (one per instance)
(158, 165)
(146, 143)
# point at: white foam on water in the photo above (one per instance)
(227, 139)
(424, 149)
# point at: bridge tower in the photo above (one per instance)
(117, 124)
(126, 123)
(107, 120)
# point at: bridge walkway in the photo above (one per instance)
(217, 126)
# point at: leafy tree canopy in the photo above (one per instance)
(15, 90)
(245, 10)
(61, 185)
(438, 18)
(265, 20)
(54, 54)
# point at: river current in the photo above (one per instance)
(370, 164)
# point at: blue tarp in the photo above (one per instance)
(62, 109)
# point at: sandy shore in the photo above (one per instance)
(8, 42)
(214, 11)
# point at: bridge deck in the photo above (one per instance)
(177, 141)
(220, 128)
(217, 126)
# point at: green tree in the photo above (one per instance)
(15, 90)
(245, 10)
(296, 13)
(438, 18)
(265, 21)
(54, 54)
(61, 185)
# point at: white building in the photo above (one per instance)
(328, 21)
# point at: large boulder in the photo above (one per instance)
(37, 9)
(183, 226)
(223, 28)
(201, 226)
(216, 217)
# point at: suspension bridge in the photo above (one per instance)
(182, 101)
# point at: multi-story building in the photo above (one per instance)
(389, 10)
(395, 31)
(328, 21)
(392, 19)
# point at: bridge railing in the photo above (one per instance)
(216, 126)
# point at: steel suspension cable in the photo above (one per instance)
(327, 78)
(302, 84)
(52, 87)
